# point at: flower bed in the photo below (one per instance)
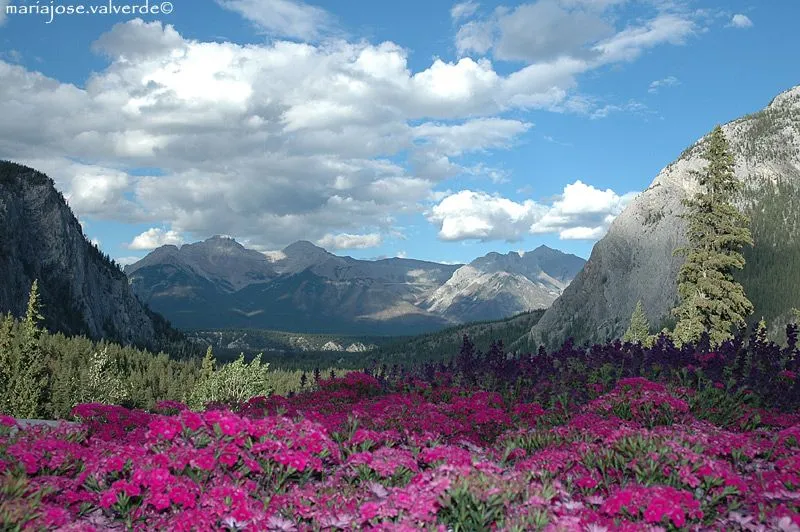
(354, 456)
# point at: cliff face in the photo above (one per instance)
(82, 292)
(634, 260)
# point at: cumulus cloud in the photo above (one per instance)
(669, 81)
(155, 237)
(581, 212)
(741, 21)
(283, 18)
(348, 241)
(477, 215)
(272, 142)
(463, 10)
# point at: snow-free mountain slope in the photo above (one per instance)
(635, 259)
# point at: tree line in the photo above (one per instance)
(44, 375)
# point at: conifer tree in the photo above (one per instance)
(639, 329)
(7, 360)
(711, 300)
(30, 379)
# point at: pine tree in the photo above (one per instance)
(207, 368)
(201, 393)
(711, 300)
(639, 329)
(30, 379)
(7, 361)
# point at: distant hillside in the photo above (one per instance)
(82, 290)
(444, 344)
(218, 283)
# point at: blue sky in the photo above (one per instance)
(432, 130)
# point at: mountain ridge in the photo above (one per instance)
(305, 284)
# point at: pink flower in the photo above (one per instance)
(369, 510)
(204, 460)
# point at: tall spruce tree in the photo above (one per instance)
(31, 375)
(711, 300)
(639, 329)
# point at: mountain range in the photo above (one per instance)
(218, 283)
(634, 260)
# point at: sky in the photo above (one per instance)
(422, 129)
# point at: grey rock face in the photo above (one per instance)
(82, 292)
(634, 260)
(497, 286)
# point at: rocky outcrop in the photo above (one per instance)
(497, 286)
(635, 261)
(82, 291)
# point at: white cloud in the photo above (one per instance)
(348, 241)
(273, 142)
(548, 31)
(401, 254)
(283, 18)
(95, 242)
(125, 261)
(463, 10)
(478, 215)
(669, 81)
(472, 135)
(156, 237)
(545, 31)
(629, 43)
(741, 21)
(582, 212)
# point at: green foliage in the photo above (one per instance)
(711, 299)
(770, 274)
(30, 375)
(462, 510)
(234, 382)
(7, 361)
(443, 344)
(639, 329)
(104, 382)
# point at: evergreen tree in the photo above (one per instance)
(30, 379)
(711, 300)
(7, 361)
(639, 329)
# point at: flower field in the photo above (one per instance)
(670, 450)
